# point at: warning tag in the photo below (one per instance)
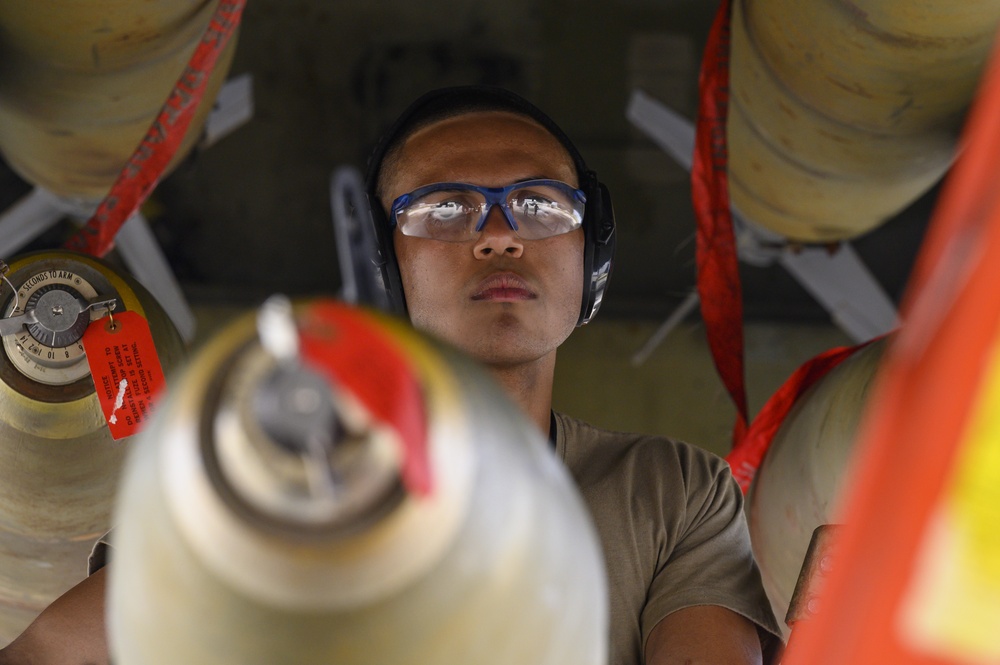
(126, 370)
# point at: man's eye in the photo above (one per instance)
(535, 205)
(447, 211)
(439, 212)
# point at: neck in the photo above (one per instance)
(530, 386)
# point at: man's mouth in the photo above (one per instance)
(503, 287)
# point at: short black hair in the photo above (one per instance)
(445, 103)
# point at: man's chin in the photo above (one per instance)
(504, 352)
(497, 339)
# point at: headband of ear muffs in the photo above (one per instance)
(598, 217)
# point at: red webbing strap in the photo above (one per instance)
(745, 457)
(718, 269)
(146, 165)
(350, 350)
(719, 288)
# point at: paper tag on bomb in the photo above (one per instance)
(126, 370)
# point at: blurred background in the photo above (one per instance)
(249, 216)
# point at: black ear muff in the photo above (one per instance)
(599, 246)
(386, 262)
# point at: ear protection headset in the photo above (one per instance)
(598, 216)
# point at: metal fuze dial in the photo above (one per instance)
(52, 309)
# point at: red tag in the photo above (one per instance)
(126, 370)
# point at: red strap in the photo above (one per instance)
(353, 354)
(718, 269)
(146, 165)
(748, 453)
(719, 286)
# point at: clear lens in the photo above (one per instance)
(535, 210)
(442, 215)
(542, 211)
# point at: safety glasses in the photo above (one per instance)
(457, 211)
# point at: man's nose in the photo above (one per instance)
(497, 237)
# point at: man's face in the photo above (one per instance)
(501, 299)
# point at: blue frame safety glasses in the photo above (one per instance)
(457, 211)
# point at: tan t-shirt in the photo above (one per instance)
(670, 519)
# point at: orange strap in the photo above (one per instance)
(930, 383)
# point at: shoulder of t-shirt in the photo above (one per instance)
(579, 442)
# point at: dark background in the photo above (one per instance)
(250, 215)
